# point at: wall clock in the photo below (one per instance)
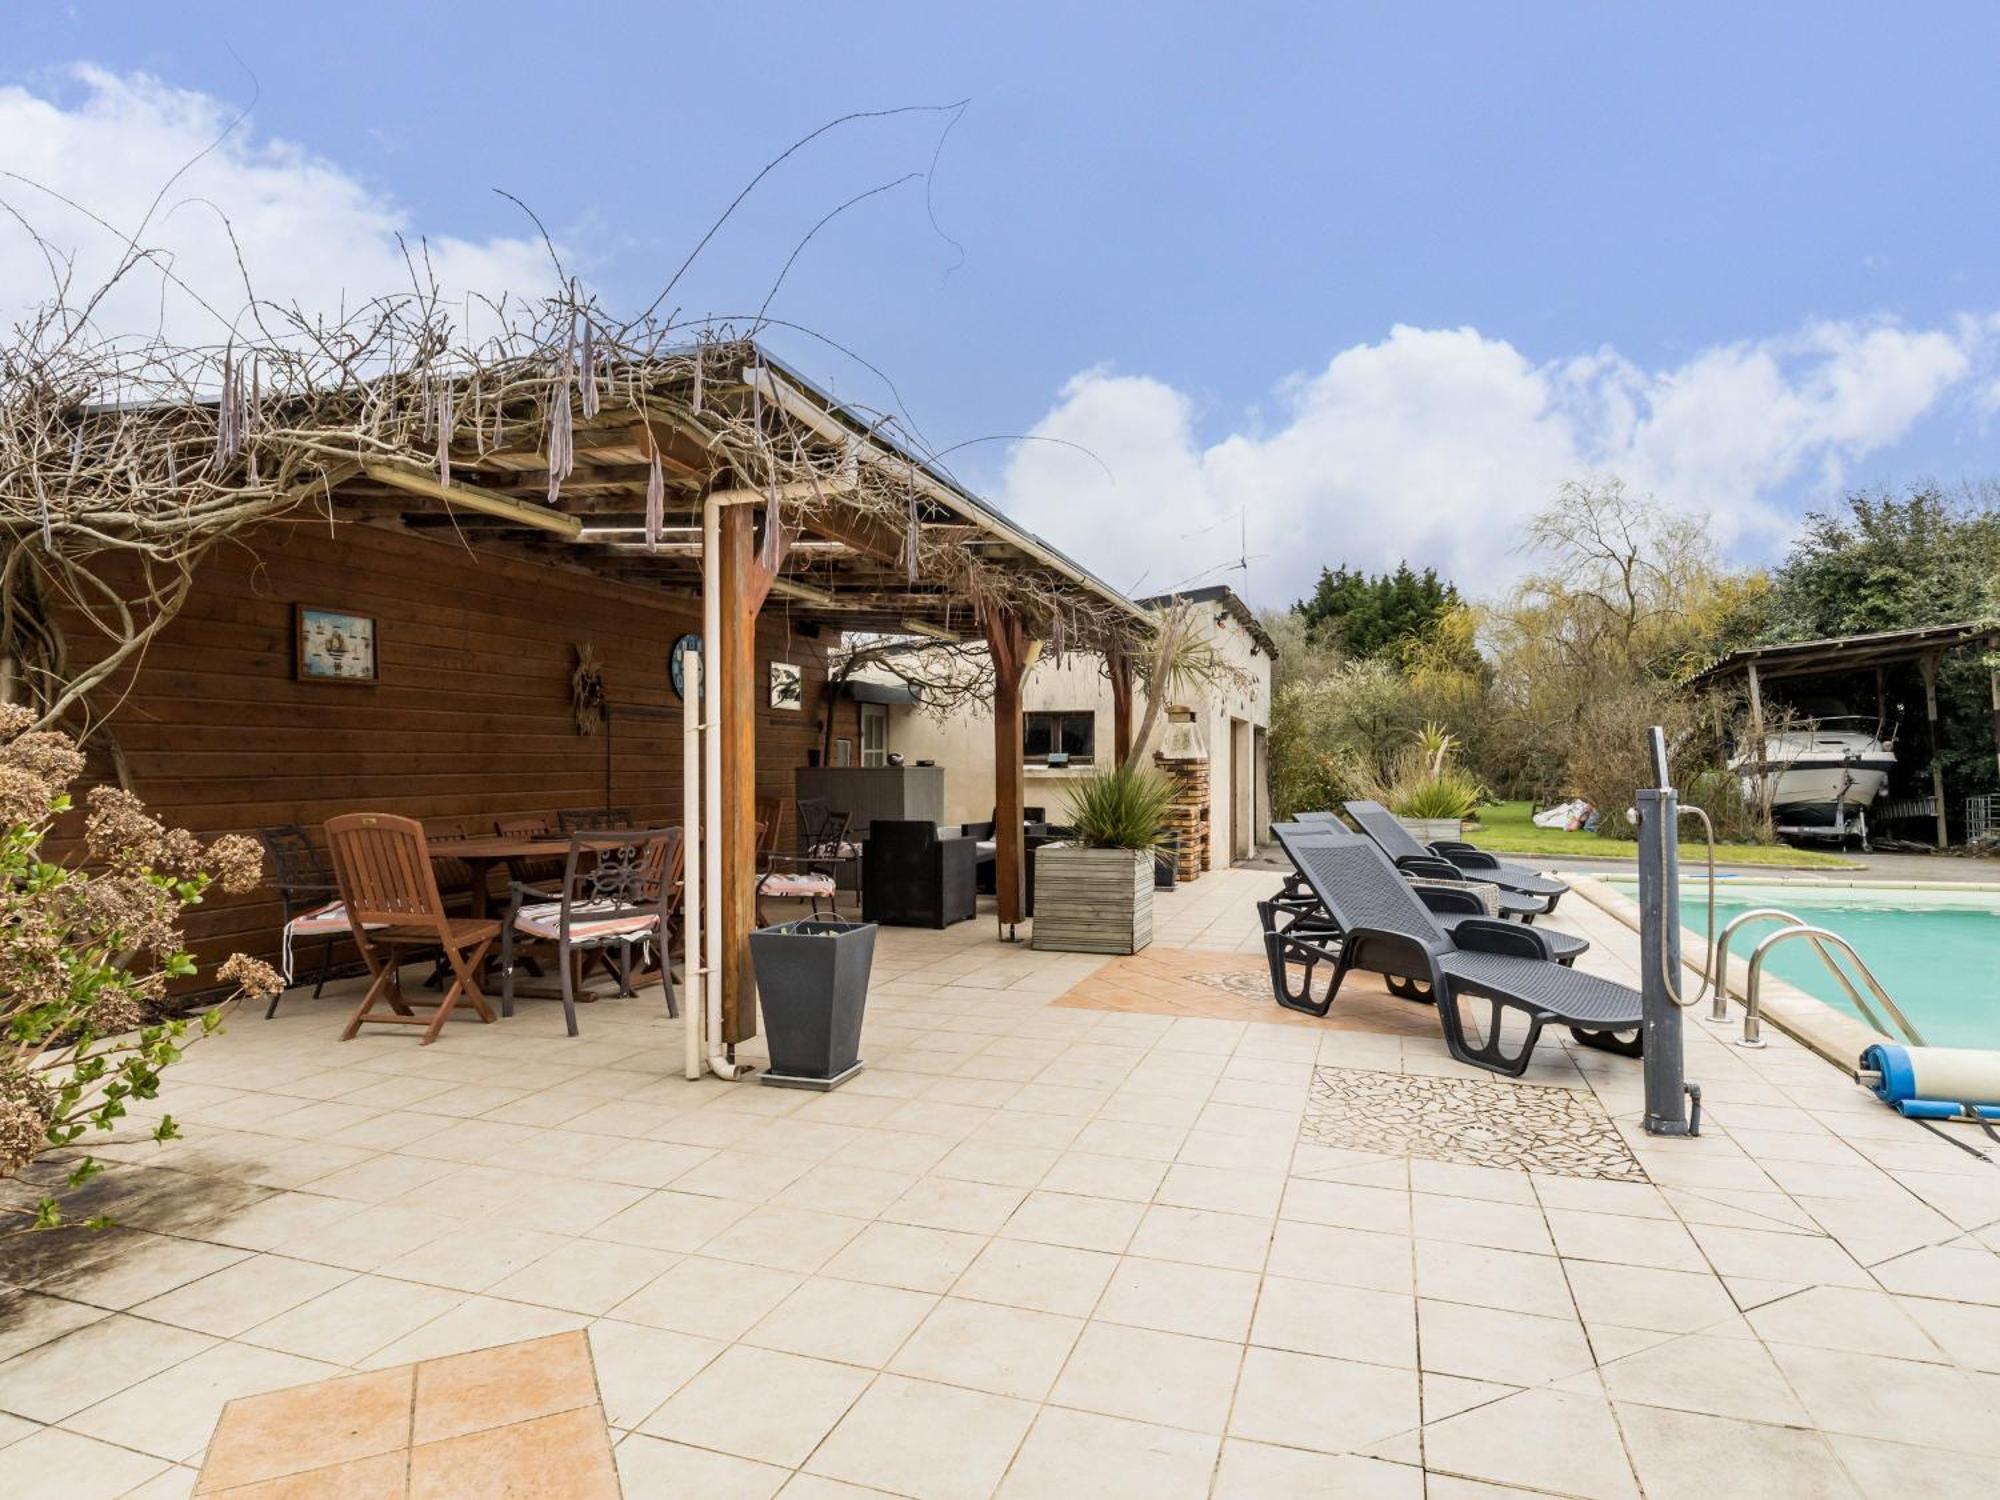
(676, 663)
(334, 646)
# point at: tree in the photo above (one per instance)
(1373, 614)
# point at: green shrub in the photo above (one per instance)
(1121, 809)
(1436, 794)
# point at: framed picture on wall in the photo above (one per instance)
(788, 686)
(333, 645)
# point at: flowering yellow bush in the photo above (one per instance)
(87, 950)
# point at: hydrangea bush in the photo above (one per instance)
(89, 945)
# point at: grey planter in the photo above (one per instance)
(1092, 900)
(1430, 830)
(812, 985)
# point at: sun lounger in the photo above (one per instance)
(1384, 927)
(1375, 820)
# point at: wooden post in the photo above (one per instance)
(746, 572)
(1007, 643)
(1993, 686)
(1121, 705)
(1928, 666)
(1757, 739)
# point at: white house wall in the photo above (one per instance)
(963, 744)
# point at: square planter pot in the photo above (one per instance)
(1429, 830)
(1092, 900)
(812, 985)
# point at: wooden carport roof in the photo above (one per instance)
(865, 504)
(1847, 653)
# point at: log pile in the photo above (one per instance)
(1187, 818)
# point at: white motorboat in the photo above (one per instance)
(1824, 774)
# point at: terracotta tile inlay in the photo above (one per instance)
(517, 1420)
(1237, 987)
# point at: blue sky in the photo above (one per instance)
(1744, 259)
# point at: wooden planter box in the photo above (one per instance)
(1430, 830)
(1092, 900)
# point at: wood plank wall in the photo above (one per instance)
(470, 719)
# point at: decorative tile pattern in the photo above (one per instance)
(1469, 1120)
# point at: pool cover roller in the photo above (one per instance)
(1934, 1083)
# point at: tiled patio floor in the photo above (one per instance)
(1034, 1250)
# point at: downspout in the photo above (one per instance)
(694, 989)
(711, 808)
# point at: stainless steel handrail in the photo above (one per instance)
(1719, 1012)
(1819, 937)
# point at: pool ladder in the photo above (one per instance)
(1715, 970)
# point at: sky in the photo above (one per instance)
(1289, 286)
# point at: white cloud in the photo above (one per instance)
(309, 230)
(1434, 445)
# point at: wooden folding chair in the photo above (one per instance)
(383, 865)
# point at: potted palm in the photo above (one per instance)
(1094, 891)
(1430, 796)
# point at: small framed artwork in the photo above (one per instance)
(788, 686)
(334, 646)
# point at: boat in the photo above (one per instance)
(1825, 774)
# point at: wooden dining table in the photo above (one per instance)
(484, 851)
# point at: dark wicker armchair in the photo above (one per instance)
(913, 878)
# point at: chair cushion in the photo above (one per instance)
(796, 883)
(589, 921)
(830, 849)
(331, 917)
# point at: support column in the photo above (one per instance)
(745, 572)
(1928, 666)
(1757, 742)
(1993, 687)
(1007, 644)
(1121, 705)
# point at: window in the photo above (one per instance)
(1071, 733)
(874, 734)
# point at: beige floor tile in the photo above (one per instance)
(1642, 1297)
(1888, 1471)
(589, 1276)
(1316, 1317)
(1001, 1165)
(476, 1323)
(639, 1367)
(651, 1468)
(1544, 1439)
(1073, 1220)
(1624, 1240)
(129, 1266)
(1949, 1273)
(384, 1177)
(526, 1200)
(760, 1404)
(91, 1364)
(1175, 1297)
(946, 1203)
(1131, 1138)
(1165, 1378)
(58, 1465)
(905, 1255)
(783, 1239)
(1473, 1221)
(709, 1298)
(927, 1441)
(1927, 1406)
(1722, 1377)
(851, 1321)
(859, 1192)
(1683, 1456)
(1129, 1177)
(368, 1236)
(670, 1220)
(1329, 1405)
(1262, 1471)
(1237, 1242)
(170, 1415)
(353, 1320)
(30, 1319)
(1007, 1351)
(473, 1261)
(1487, 1343)
(1351, 1257)
(1045, 1278)
(1222, 1190)
(1511, 1279)
(1085, 1456)
(1345, 1206)
(239, 1296)
(1862, 1322)
(1459, 1180)
(1800, 1259)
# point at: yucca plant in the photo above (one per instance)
(1442, 794)
(1121, 809)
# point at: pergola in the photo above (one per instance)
(1924, 645)
(711, 471)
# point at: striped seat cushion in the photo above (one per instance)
(800, 883)
(321, 921)
(589, 921)
(844, 849)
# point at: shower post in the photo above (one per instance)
(1660, 947)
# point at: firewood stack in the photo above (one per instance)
(1187, 818)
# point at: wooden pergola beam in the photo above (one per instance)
(1007, 643)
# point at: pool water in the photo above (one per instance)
(1936, 952)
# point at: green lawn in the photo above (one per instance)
(1505, 828)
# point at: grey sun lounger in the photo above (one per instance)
(1423, 864)
(1375, 820)
(1296, 911)
(1385, 928)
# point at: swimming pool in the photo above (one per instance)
(1937, 952)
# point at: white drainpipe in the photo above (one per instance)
(711, 808)
(694, 991)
